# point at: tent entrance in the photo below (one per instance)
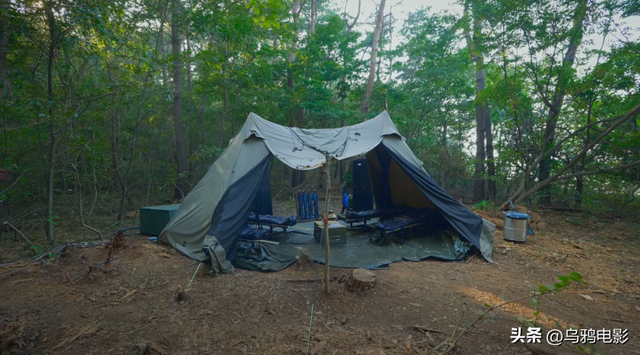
(393, 186)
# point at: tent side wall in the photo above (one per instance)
(189, 225)
(231, 215)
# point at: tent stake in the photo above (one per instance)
(327, 248)
(194, 276)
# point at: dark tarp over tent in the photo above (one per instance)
(211, 217)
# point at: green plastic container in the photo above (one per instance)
(154, 219)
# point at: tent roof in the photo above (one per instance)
(305, 149)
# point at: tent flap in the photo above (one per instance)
(467, 223)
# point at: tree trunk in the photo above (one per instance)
(181, 152)
(165, 75)
(380, 45)
(223, 117)
(125, 180)
(295, 11)
(294, 110)
(4, 36)
(374, 57)
(579, 190)
(343, 94)
(312, 22)
(482, 114)
(556, 105)
(52, 150)
(225, 98)
(491, 166)
(115, 130)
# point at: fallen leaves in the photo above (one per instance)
(318, 347)
(129, 294)
(587, 297)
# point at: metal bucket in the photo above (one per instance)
(515, 226)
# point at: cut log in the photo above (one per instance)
(542, 225)
(535, 217)
(521, 209)
(534, 226)
(497, 221)
(361, 280)
(529, 220)
(565, 209)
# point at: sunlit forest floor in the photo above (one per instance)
(128, 305)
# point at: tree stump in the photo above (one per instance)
(118, 241)
(361, 280)
(498, 222)
(182, 295)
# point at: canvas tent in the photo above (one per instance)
(211, 217)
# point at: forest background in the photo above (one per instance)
(110, 105)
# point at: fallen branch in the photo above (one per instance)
(129, 294)
(453, 341)
(18, 231)
(451, 344)
(299, 280)
(425, 329)
(84, 331)
(617, 320)
(542, 184)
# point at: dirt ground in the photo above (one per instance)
(128, 306)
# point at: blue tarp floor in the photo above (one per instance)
(359, 251)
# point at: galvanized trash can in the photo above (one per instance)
(515, 226)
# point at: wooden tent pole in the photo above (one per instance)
(327, 248)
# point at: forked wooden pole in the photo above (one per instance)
(327, 248)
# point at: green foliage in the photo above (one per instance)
(347, 178)
(565, 281)
(482, 205)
